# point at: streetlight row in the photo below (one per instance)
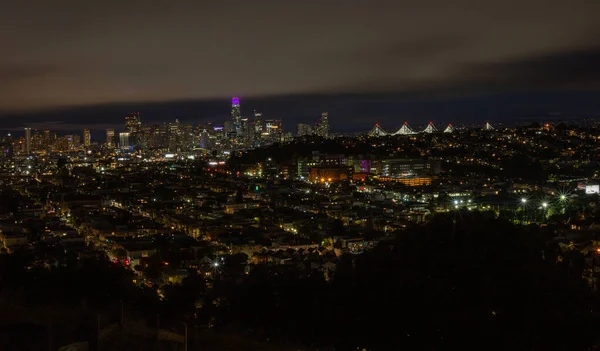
(544, 204)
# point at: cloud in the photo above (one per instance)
(570, 69)
(73, 53)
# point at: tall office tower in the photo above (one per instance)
(69, 142)
(236, 115)
(76, 141)
(322, 127)
(124, 140)
(204, 139)
(143, 137)
(87, 137)
(174, 136)
(110, 138)
(46, 139)
(304, 129)
(228, 128)
(258, 125)
(28, 141)
(245, 131)
(133, 126)
(163, 136)
(187, 140)
(274, 129)
(133, 123)
(36, 140)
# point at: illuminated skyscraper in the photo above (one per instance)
(69, 141)
(258, 126)
(47, 140)
(76, 141)
(204, 139)
(274, 129)
(236, 115)
(304, 129)
(244, 135)
(174, 136)
(87, 137)
(124, 140)
(322, 127)
(110, 138)
(28, 141)
(133, 123)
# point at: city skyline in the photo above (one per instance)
(347, 113)
(414, 61)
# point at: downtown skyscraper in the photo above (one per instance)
(28, 141)
(87, 137)
(110, 138)
(133, 126)
(322, 127)
(236, 116)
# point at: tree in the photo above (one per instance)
(430, 289)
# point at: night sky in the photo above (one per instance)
(66, 64)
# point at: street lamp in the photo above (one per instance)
(544, 204)
(563, 197)
(523, 200)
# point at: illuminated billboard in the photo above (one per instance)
(592, 189)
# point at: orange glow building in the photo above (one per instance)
(329, 174)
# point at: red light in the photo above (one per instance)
(430, 122)
(405, 122)
(208, 169)
(376, 124)
(127, 262)
(115, 261)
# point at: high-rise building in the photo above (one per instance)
(36, 140)
(76, 141)
(28, 141)
(322, 127)
(236, 115)
(47, 139)
(204, 139)
(133, 126)
(228, 128)
(133, 123)
(187, 140)
(143, 137)
(304, 129)
(174, 136)
(258, 125)
(274, 129)
(87, 137)
(70, 142)
(244, 135)
(110, 138)
(124, 140)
